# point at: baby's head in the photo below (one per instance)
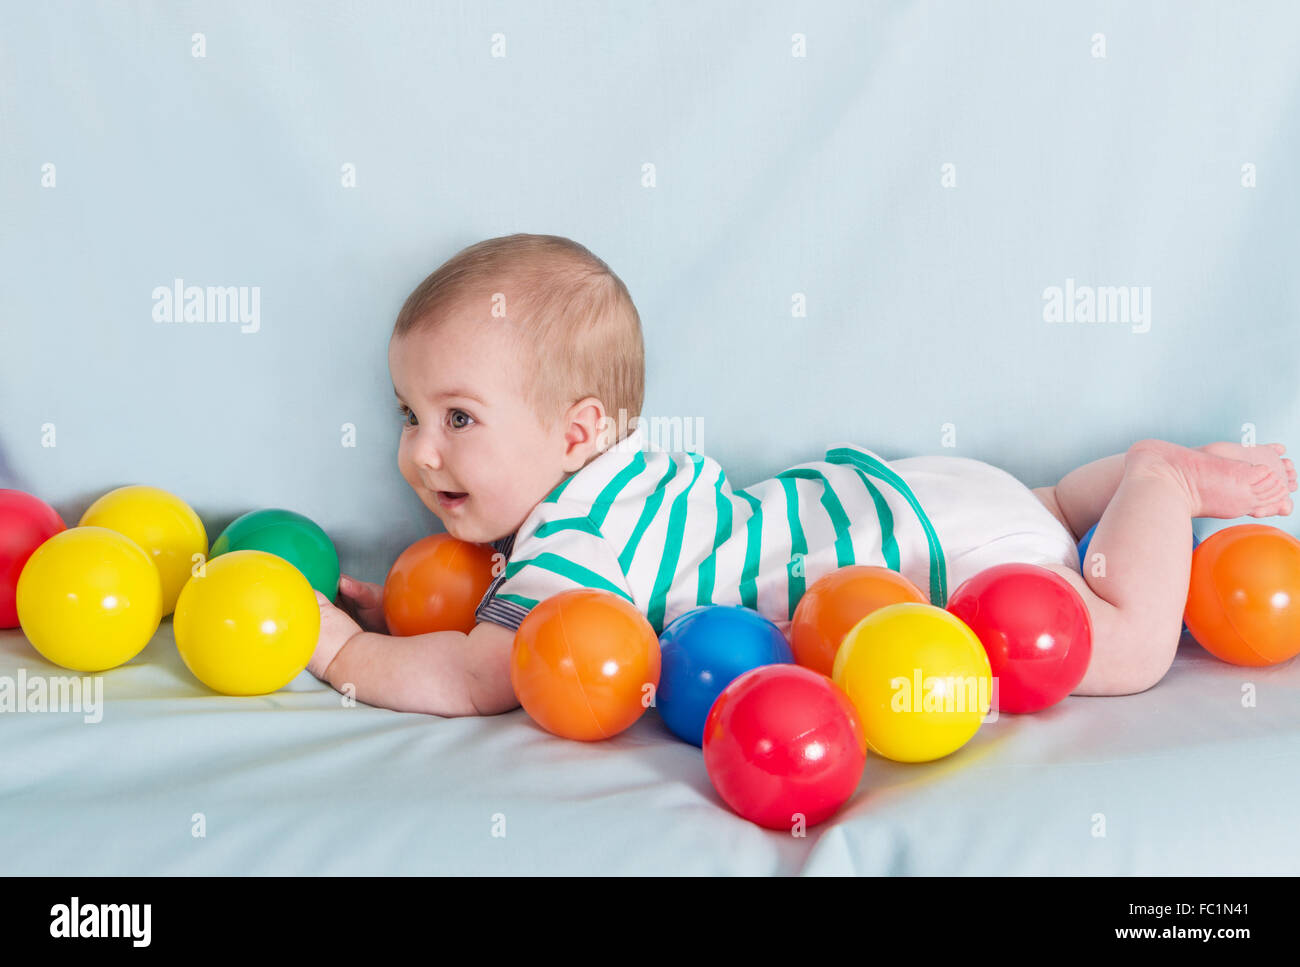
(515, 363)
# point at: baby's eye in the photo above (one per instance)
(460, 426)
(407, 414)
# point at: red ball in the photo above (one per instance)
(783, 740)
(1035, 628)
(26, 522)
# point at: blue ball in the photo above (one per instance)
(705, 650)
(1083, 547)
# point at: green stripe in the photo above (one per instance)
(520, 600)
(559, 489)
(647, 514)
(794, 583)
(607, 496)
(583, 524)
(672, 550)
(888, 542)
(938, 566)
(834, 510)
(709, 567)
(584, 577)
(753, 552)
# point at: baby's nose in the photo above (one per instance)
(426, 455)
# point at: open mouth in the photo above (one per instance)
(449, 499)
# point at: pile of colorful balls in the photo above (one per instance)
(91, 597)
(784, 723)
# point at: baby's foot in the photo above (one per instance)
(1269, 454)
(1226, 480)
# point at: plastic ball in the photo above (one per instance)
(1243, 599)
(437, 584)
(26, 522)
(782, 742)
(585, 664)
(919, 679)
(284, 533)
(161, 523)
(89, 599)
(1035, 630)
(703, 651)
(836, 602)
(247, 625)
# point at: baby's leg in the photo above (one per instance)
(1135, 579)
(1081, 496)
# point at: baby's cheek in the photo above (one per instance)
(404, 468)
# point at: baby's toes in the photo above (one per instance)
(1268, 491)
(1273, 509)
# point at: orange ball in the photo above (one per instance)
(838, 601)
(1243, 601)
(581, 664)
(436, 584)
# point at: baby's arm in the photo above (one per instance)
(446, 673)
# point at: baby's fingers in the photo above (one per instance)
(365, 594)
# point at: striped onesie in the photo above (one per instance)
(668, 532)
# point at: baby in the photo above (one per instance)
(509, 362)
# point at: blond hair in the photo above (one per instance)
(575, 326)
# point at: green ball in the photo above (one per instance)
(297, 539)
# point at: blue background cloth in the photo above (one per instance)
(773, 175)
(916, 174)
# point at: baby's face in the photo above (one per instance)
(466, 430)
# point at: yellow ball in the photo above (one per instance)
(248, 625)
(919, 678)
(89, 599)
(163, 524)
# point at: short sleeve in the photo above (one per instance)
(563, 551)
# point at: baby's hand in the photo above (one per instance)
(336, 629)
(364, 602)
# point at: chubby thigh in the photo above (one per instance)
(984, 516)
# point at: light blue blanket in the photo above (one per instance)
(1181, 779)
